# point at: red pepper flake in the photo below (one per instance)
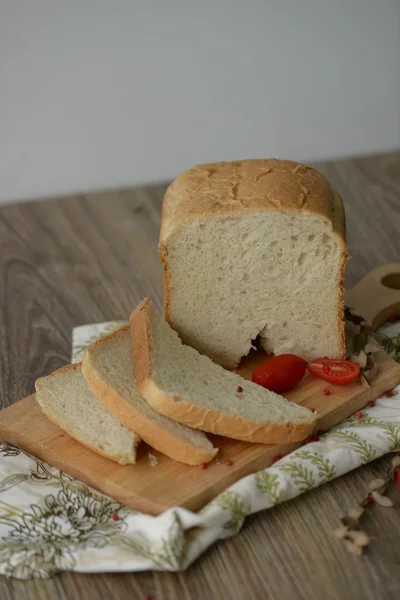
(371, 403)
(315, 437)
(239, 389)
(115, 518)
(392, 319)
(389, 394)
(228, 462)
(312, 410)
(326, 392)
(359, 414)
(203, 466)
(326, 369)
(277, 458)
(307, 440)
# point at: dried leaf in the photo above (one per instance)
(355, 513)
(364, 381)
(350, 316)
(350, 522)
(375, 484)
(361, 538)
(362, 359)
(382, 500)
(341, 532)
(359, 342)
(365, 329)
(353, 548)
(372, 348)
(396, 461)
(371, 373)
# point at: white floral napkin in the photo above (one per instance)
(50, 522)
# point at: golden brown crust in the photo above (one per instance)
(119, 458)
(150, 431)
(64, 369)
(195, 416)
(339, 218)
(239, 186)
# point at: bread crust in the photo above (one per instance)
(340, 231)
(151, 432)
(195, 416)
(254, 185)
(116, 457)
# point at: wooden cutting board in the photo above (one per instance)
(154, 489)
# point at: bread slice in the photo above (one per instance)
(254, 248)
(187, 386)
(110, 372)
(66, 399)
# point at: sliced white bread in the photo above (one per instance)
(110, 372)
(181, 383)
(66, 399)
(254, 248)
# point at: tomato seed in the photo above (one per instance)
(239, 388)
(326, 369)
(371, 403)
(228, 462)
(307, 440)
(312, 410)
(359, 414)
(389, 394)
(203, 466)
(326, 392)
(115, 518)
(277, 458)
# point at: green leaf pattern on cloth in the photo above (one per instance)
(50, 522)
(268, 483)
(364, 449)
(238, 508)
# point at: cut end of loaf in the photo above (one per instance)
(275, 275)
(254, 248)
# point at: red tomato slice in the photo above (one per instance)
(281, 372)
(336, 371)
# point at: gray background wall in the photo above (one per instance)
(98, 94)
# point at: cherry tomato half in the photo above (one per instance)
(280, 373)
(336, 371)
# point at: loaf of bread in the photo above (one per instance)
(66, 399)
(254, 249)
(110, 372)
(186, 386)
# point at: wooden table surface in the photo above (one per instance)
(90, 258)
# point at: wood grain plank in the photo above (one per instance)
(81, 259)
(154, 490)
